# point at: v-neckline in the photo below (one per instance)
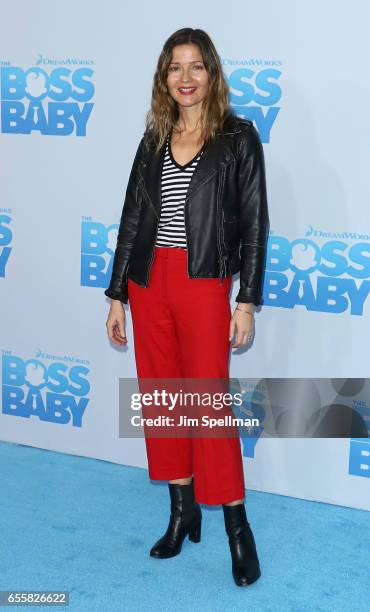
(181, 166)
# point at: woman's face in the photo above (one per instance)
(187, 78)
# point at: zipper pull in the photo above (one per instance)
(222, 270)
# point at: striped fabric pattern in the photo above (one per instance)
(174, 186)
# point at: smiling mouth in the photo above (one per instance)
(186, 90)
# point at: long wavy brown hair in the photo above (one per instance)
(164, 111)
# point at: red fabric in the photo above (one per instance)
(181, 329)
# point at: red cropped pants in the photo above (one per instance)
(181, 330)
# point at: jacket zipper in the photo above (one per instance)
(152, 257)
(156, 234)
(220, 229)
(187, 241)
(128, 263)
(145, 194)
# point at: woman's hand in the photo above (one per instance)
(242, 324)
(116, 323)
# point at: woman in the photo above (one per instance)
(195, 213)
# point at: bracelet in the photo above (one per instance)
(245, 311)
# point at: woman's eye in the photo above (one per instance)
(174, 68)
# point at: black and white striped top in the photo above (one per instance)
(174, 187)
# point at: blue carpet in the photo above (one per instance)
(85, 526)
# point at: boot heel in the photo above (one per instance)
(194, 532)
(185, 518)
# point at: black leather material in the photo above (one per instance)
(245, 564)
(226, 214)
(185, 519)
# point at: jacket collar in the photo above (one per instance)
(230, 126)
(215, 156)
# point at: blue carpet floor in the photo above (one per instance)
(85, 526)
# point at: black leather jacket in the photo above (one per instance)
(226, 214)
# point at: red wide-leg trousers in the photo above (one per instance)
(181, 330)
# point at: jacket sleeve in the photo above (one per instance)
(254, 216)
(128, 227)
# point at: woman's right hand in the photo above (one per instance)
(116, 323)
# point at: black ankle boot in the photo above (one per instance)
(185, 519)
(245, 564)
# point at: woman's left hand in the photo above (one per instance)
(242, 325)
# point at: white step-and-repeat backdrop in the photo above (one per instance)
(75, 86)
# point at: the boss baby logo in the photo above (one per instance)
(55, 392)
(255, 94)
(56, 103)
(326, 276)
(98, 244)
(5, 241)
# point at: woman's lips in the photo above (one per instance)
(186, 91)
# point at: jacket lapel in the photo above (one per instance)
(215, 156)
